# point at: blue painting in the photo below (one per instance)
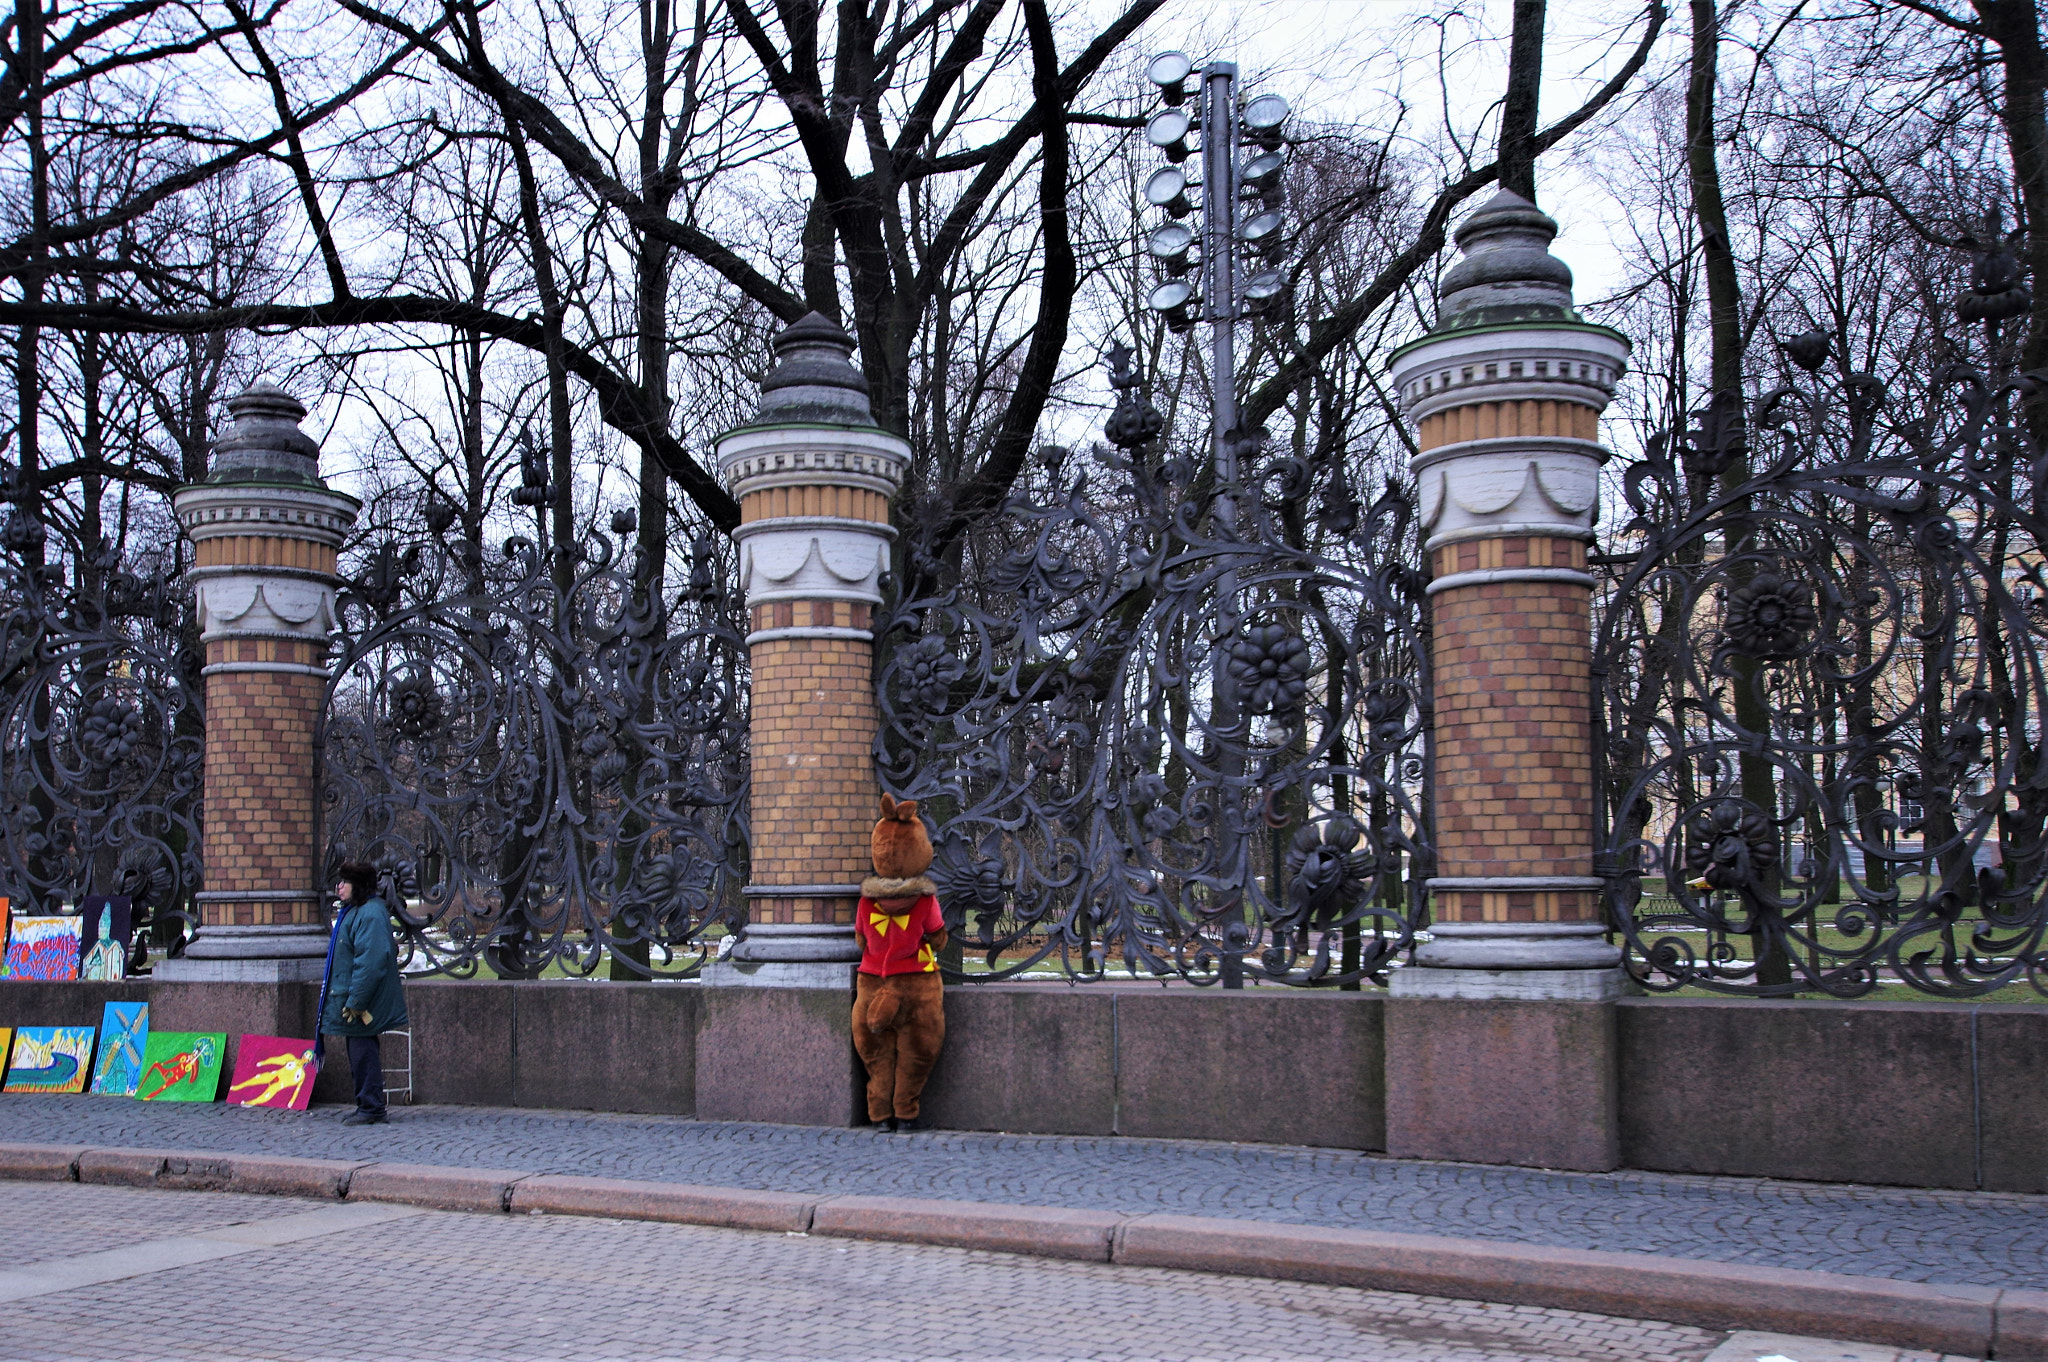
(50, 1059)
(105, 927)
(123, 1031)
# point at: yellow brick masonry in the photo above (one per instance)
(259, 782)
(259, 752)
(813, 730)
(1513, 739)
(846, 503)
(1498, 420)
(263, 550)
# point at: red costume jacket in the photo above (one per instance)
(892, 933)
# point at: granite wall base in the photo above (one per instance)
(777, 1054)
(1531, 1084)
(1272, 1065)
(1036, 1057)
(1906, 1094)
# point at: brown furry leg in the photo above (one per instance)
(877, 1049)
(920, 1035)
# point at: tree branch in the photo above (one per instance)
(1326, 335)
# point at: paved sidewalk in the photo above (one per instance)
(1977, 1239)
(176, 1275)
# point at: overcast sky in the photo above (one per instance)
(1364, 58)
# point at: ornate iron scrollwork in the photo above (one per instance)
(1822, 693)
(1159, 737)
(548, 771)
(101, 723)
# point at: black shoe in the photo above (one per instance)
(364, 1118)
(906, 1124)
(887, 1125)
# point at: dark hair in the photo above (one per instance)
(362, 880)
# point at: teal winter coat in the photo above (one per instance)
(363, 973)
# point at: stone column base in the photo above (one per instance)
(789, 955)
(250, 955)
(1518, 946)
(1533, 985)
(780, 974)
(778, 1054)
(1528, 1083)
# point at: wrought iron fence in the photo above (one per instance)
(1171, 727)
(102, 735)
(544, 757)
(1820, 691)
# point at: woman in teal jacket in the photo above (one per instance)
(361, 997)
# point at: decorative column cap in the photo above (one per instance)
(264, 444)
(814, 379)
(1508, 273)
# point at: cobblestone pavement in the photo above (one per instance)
(437, 1285)
(1983, 1239)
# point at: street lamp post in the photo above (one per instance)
(1227, 190)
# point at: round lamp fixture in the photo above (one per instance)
(1169, 71)
(1264, 115)
(1168, 130)
(1174, 293)
(1263, 231)
(1169, 246)
(1263, 289)
(1262, 172)
(1167, 188)
(1174, 300)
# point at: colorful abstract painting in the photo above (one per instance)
(6, 1040)
(181, 1066)
(272, 1071)
(105, 926)
(124, 1029)
(42, 948)
(50, 1059)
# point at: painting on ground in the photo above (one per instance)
(123, 1029)
(181, 1066)
(3, 934)
(50, 1059)
(42, 948)
(272, 1071)
(105, 927)
(6, 1042)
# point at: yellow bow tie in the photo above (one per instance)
(880, 922)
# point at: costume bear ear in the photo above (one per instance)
(906, 811)
(888, 805)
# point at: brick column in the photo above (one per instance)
(265, 531)
(814, 477)
(1506, 393)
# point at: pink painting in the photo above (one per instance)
(273, 1071)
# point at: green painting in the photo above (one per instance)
(181, 1066)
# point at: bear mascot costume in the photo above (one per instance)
(899, 1005)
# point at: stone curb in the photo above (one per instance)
(444, 1189)
(1965, 1320)
(40, 1162)
(1042, 1231)
(559, 1194)
(1710, 1295)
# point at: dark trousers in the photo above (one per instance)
(366, 1063)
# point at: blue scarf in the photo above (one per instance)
(327, 979)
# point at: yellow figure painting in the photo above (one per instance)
(279, 1078)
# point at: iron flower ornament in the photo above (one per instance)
(1770, 616)
(1730, 845)
(1269, 663)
